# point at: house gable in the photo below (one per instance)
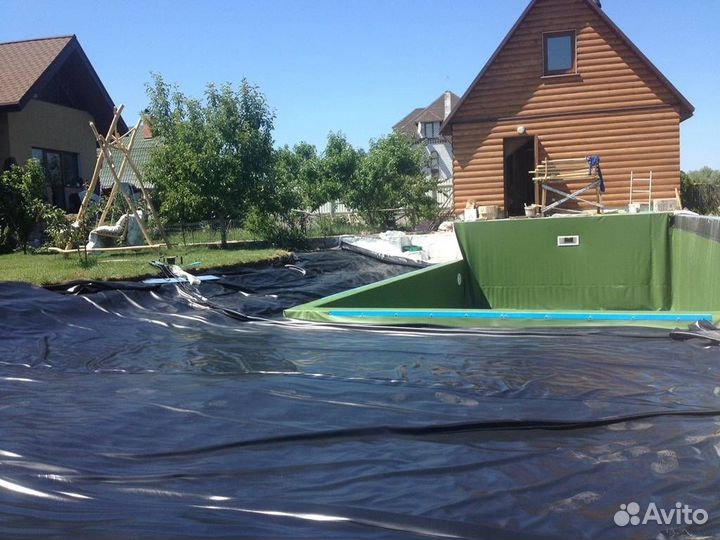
(435, 112)
(23, 64)
(408, 125)
(55, 70)
(611, 74)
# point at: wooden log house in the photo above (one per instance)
(565, 82)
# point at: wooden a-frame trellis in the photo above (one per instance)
(113, 142)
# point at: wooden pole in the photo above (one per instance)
(113, 191)
(128, 199)
(96, 173)
(149, 203)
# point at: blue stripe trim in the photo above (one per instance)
(524, 315)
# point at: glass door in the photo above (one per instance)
(53, 169)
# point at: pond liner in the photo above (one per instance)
(128, 412)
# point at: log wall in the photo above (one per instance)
(615, 106)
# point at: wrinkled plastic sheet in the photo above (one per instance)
(142, 412)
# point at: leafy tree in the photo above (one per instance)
(22, 191)
(391, 180)
(216, 157)
(316, 179)
(303, 181)
(339, 165)
(700, 190)
(296, 176)
(706, 175)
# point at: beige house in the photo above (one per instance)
(49, 92)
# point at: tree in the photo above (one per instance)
(303, 181)
(296, 191)
(706, 175)
(22, 191)
(700, 190)
(216, 157)
(339, 165)
(305, 177)
(392, 180)
(316, 180)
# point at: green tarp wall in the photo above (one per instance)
(695, 248)
(621, 263)
(437, 286)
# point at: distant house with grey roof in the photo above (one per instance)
(49, 92)
(423, 125)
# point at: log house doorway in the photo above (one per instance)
(519, 155)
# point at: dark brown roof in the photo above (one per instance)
(407, 124)
(686, 108)
(435, 112)
(27, 67)
(23, 62)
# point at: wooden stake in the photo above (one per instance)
(96, 173)
(104, 148)
(113, 192)
(114, 141)
(149, 203)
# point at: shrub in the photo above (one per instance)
(22, 190)
(272, 228)
(392, 182)
(59, 226)
(700, 191)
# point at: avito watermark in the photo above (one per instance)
(680, 514)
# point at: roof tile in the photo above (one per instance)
(435, 112)
(23, 62)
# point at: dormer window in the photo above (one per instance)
(559, 52)
(431, 130)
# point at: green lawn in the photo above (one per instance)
(46, 269)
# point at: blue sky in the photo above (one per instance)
(350, 65)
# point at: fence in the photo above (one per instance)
(443, 194)
(343, 220)
(205, 232)
(333, 208)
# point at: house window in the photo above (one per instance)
(61, 171)
(431, 130)
(434, 164)
(559, 52)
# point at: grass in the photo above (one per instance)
(205, 233)
(47, 269)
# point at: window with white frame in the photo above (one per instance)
(431, 130)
